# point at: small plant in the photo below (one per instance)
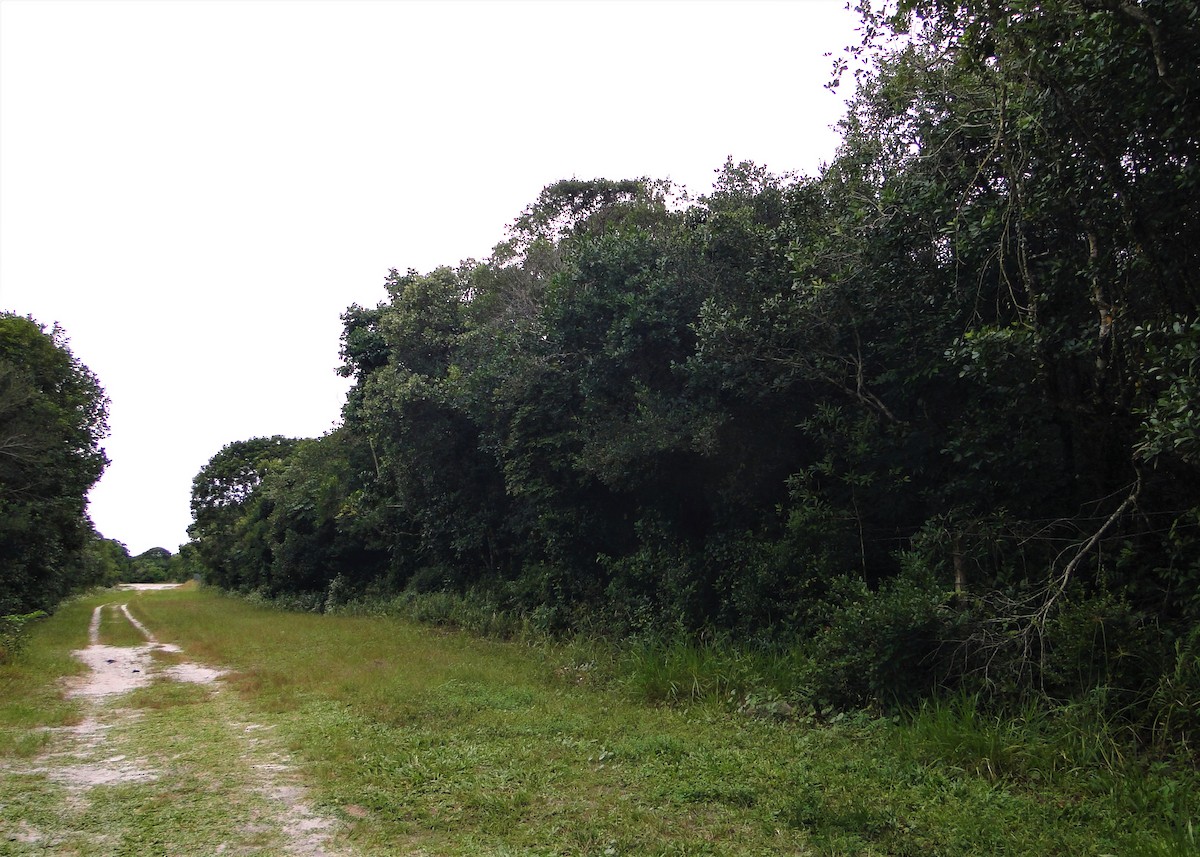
(1175, 702)
(12, 633)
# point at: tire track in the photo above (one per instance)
(249, 797)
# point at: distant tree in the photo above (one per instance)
(53, 417)
(186, 565)
(108, 560)
(151, 566)
(314, 530)
(223, 493)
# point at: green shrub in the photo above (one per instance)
(1098, 641)
(889, 647)
(296, 602)
(12, 633)
(1173, 709)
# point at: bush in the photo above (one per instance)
(296, 602)
(883, 648)
(12, 634)
(1173, 710)
(1099, 641)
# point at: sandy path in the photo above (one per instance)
(267, 803)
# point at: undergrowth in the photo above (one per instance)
(30, 696)
(1100, 726)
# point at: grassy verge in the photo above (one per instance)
(434, 742)
(30, 694)
(439, 742)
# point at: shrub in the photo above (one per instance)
(12, 633)
(1098, 641)
(883, 648)
(1173, 710)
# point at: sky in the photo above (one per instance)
(196, 191)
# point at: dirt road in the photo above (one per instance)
(165, 761)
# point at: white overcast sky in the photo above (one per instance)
(195, 191)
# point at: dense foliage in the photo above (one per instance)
(53, 416)
(108, 563)
(933, 412)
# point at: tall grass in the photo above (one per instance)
(679, 671)
(1017, 746)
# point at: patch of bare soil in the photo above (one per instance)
(116, 669)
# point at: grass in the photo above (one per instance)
(194, 799)
(434, 742)
(30, 696)
(115, 629)
(167, 769)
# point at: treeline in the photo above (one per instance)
(53, 417)
(110, 563)
(932, 415)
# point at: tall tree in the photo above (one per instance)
(53, 417)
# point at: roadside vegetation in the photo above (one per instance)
(919, 428)
(53, 420)
(53, 417)
(437, 741)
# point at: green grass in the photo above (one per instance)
(196, 798)
(115, 629)
(431, 741)
(188, 780)
(30, 693)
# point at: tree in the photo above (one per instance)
(151, 566)
(53, 417)
(226, 500)
(1068, 139)
(108, 560)
(945, 387)
(316, 529)
(434, 493)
